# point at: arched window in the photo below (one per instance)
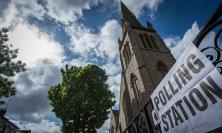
(134, 86)
(145, 41)
(124, 106)
(152, 41)
(162, 68)
(112, 129)
(125, 56)
(120, 128)
(128, 50)
(127, 53)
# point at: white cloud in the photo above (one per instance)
(45, 126)
(104, 44)
(29, 8)
(18, 11)
(13, 12)
(31, 103)
(9, 17)
(178, 45)
(112, 69)
(3, 6)
(67, 10)
(34, 45)
(172, 41)
(137, 6)
(108, 39)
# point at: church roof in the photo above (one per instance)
(7, 120)
(129, 17)
(13, 123)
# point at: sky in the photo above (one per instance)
(52, 33)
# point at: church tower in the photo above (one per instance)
(145, 61)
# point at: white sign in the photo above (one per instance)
(189, 98)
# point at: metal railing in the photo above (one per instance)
(212, 30)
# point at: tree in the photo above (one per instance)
(82, 99)
(8, 66)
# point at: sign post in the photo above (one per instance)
(189, 98)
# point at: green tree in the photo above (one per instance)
(82, 99)
(8, 66)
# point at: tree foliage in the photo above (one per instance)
(8, 66)
(82, 99)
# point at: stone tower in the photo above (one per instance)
(145, 60)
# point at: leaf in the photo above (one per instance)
(82, 99)
(8, 67)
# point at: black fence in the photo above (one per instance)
(212, 29)
(142, 122)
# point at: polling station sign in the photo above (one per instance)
(189, 98)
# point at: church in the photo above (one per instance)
(145, 60)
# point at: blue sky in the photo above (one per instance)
(52, 33)
(172, 18)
